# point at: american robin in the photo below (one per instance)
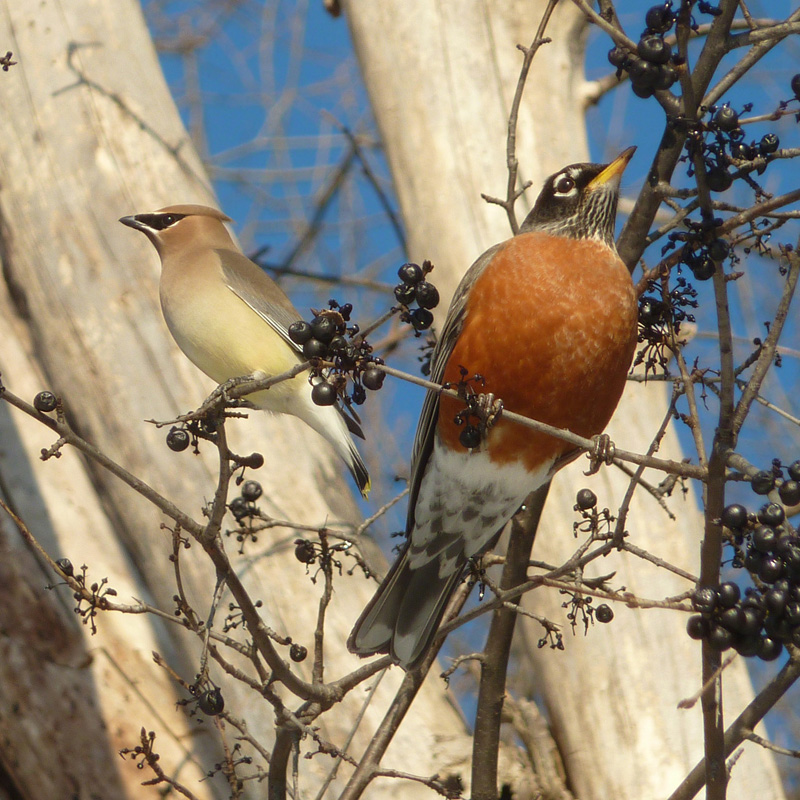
(548, 318)
(232, 321)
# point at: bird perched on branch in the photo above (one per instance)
(548, 320)
(231, 320)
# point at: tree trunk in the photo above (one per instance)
(90, 133)
(441, 78)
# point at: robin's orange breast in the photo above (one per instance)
(551, 325)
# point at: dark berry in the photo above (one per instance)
(704, 600)
(65, 565)
(733, 619)
(768, 144)
(734, 516)
(239, 509)
(337, 345)
(373, 378)
(642, 91)
(426, 294)
(470, 437)
(603, 613)
(728, 594)
(314, 348)
(643, 74)
(178, 439)
(697, 627)
(323, 394)
(251, 491)
(753, 558)
(304, 551)
(421, 319)
(769, 649)
(742, 152)
(718, 250)
(300, 332)
(786, 546)
(792, 614)
(323, 328)
(410, 273)
(771, 514)
(211, 702)
(658, 19)
(297, 652)
(703, 269)
(654, 49)
(770, 569)
(719, 179)
(789, 492)
(359, 394)
(726, 119)
(777, 627)
(404, 294)
(45, 402)
(765, 538)
(750, 622)
(617, 57)
(586, 499)
(651, 311)
(794, 470)
(346, 358)
(253, 461)
(796, 85)
(762, 482)
(775, 600)
(746, 646)
(719, 638)
(666, 77)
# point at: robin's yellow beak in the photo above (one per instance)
(613, 172)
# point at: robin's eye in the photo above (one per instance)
(564, 185)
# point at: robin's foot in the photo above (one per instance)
(488, 408)
(601, 454)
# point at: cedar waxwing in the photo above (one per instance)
(231, 320)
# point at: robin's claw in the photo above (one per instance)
(490, 409)
(602, 453)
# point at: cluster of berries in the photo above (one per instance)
(243, 506)
(328, 337)
(652, 66)
(181, 436)
(721, 141)
(762, 619)
(415, 289)
(656, 317)
(702, 249)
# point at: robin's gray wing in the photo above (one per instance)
(426, 428)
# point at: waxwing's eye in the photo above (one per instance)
(564, 185)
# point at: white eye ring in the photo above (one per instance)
(564, 185)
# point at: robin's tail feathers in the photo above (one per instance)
(405, 613)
